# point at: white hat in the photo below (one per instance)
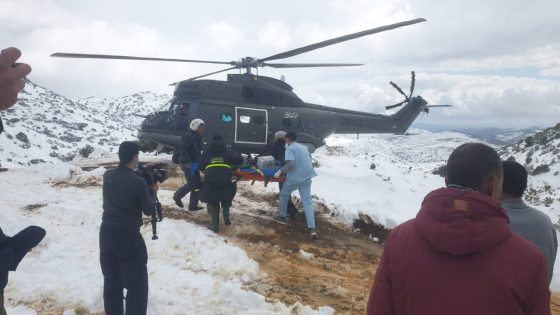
(195, 123)
(280, 135)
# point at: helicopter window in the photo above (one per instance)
(173, 107)
(183, 109)
(226, 117)
(258, 120)
(164, 106)
(286, 122)
(245, 119)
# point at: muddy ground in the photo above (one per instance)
(336, 270)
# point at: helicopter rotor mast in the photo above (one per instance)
(248, 63)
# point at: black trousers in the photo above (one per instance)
(123, 258)
(184, 190)
(2, 309)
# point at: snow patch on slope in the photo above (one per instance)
(191, 269)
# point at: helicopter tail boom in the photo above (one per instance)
(365, 123)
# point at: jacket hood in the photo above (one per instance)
(461, 221)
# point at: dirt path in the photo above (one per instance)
(336, 270)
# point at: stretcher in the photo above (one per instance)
(257, 175)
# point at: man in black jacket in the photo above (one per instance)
(216, 163)
(123, 253)
(13, 249)
(189, 152)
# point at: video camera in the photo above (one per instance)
(153, 174)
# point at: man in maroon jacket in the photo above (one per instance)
(459, 256)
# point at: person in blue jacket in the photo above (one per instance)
(299, 172)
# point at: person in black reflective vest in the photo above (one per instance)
(217, 189)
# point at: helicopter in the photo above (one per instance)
(248, 109)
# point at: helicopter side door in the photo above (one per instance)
(218, 119)
(251, 125)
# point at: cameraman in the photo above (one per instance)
(123, 254)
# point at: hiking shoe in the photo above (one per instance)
(280, 220)
(178, 202)
(197, 208)
(314, 235)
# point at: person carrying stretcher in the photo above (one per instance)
(217, 187)
(278, 151)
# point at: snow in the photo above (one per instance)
(305, 255)
(47, 127)
(191, 269)
(392, 192)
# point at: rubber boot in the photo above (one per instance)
(227, 221)
(215, 218)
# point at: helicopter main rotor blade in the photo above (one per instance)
(96, 56)
(340, 39)
(310, 65)
(432, 106)
(205, 75)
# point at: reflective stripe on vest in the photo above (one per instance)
(217, 165)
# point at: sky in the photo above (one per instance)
(496, 61)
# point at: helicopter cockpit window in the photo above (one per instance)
(286, 122)
(258, 120)
(174, 108)
(244, 119)
(164, 107)
(226, 117)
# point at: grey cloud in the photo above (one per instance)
(460, 54)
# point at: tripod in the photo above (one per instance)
(157, 216)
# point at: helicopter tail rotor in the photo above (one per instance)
(395, 105)
(412, 83)
(407, 98)
(393, 84)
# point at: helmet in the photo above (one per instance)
(280, 135)
(195, 123)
